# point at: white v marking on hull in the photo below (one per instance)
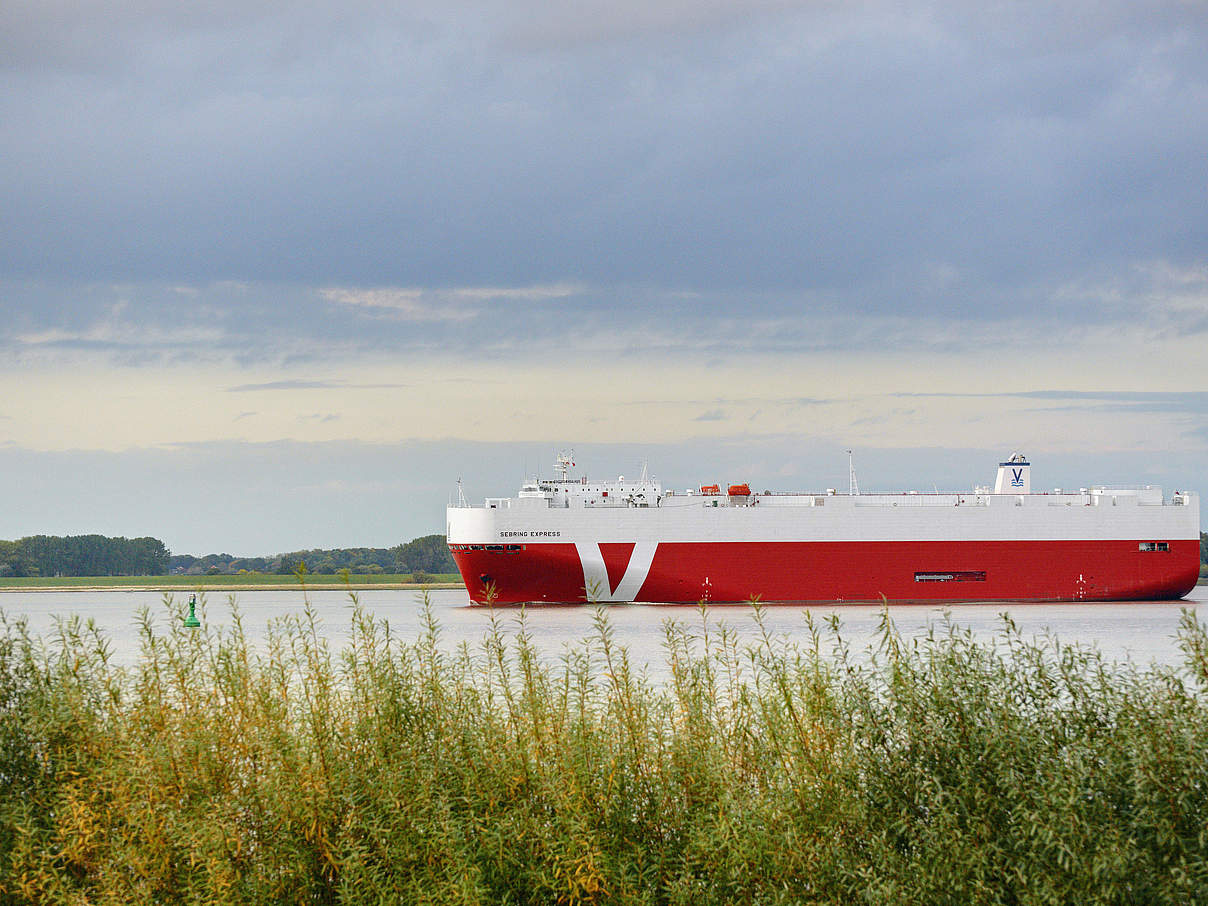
(595, 573)
(636, 572)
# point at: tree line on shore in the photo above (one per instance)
(427, 554)
(83, 555)
(98, 555)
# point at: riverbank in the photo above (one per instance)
(246, 582)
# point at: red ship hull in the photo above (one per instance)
(840, 571)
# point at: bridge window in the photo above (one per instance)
(1154, 546)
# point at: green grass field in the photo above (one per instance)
(248, 580)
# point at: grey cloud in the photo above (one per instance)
(92, 37)
(553, 27)
(285, 325)
(1184, 397)
(1192, 402)
(810, 147)
(310, 385)
(698, 178)
(796, 401)
(286, 385)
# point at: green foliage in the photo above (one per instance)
(83, 555)
(97, 555)
(354, 559)
(15, 560)
(942, 770)
(225, 564)
(429, 554)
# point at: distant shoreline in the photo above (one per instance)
(318, 586)
(225, 583)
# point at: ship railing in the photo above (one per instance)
(1146, 495)
(921, 500)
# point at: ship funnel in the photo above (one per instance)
(1014, 476)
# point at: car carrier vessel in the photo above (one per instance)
(571, 539)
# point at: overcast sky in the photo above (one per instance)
(273, 275)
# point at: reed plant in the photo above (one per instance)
(942, 769)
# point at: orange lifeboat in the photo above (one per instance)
(740, 490)
(710, 489)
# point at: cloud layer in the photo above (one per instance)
(752, 146)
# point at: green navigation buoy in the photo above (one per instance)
(191, 621)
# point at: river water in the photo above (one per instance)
(1143, 632)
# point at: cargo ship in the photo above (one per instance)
(570, 539)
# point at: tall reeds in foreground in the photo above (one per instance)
(939, 770)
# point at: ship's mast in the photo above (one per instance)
(565, 461)
(853, 488)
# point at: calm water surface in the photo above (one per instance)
(1144, 632)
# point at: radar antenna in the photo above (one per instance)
(853, 488)
(565, 462)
